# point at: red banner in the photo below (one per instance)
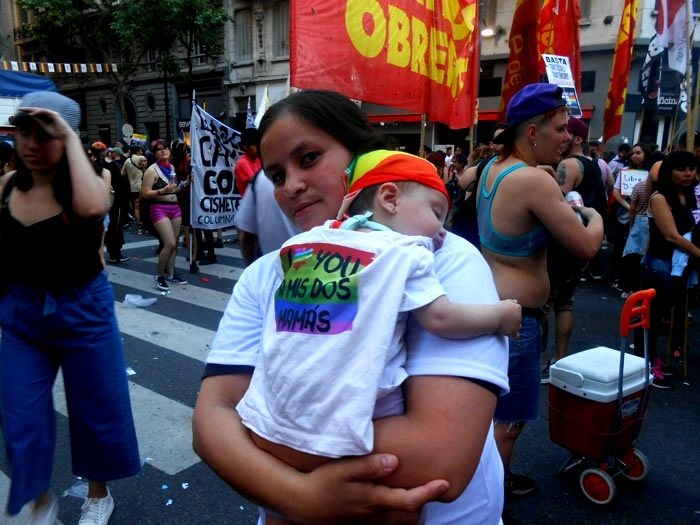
(421, 56)
(559, 34)
(523, 61)
(619, 75)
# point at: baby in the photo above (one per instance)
(332, 348)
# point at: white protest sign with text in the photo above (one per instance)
(214, 200)
(559, 73)
(629, 178)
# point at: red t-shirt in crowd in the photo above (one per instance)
(245, 170)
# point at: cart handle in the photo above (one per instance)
(635, 311)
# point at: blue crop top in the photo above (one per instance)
(523, 245)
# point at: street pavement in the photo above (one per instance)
(165, 345)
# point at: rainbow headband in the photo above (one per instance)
(380, 166)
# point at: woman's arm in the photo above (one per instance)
(442, 433)
(342, 491)
(617, 195)
(667, 226)
(634, 205)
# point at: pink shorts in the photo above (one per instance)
(165, 210)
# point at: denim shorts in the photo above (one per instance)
(524, 373)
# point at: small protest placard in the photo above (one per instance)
(629, 178)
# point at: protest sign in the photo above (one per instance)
(214, 198)
(628, 179)
(559, 73)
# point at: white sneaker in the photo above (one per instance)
(46, 514)
(96, 511)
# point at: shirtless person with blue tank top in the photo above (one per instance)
(520, 208)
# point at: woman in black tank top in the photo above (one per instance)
(670, 218)
(57, 310)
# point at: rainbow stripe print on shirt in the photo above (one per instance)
(319, 291)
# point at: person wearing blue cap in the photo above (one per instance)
(519, 209)
(59, 313)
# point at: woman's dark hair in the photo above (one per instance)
(333, 114)
(646, 149)
(677, 160)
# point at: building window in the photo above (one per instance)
(150, 102)
(488, 13)
(587, 81)
(585, 10)
(280, 35)
(244, 35)
(151, 59)
(198, 54)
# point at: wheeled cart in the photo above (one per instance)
(597, 402)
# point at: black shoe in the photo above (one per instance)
(176, 279)
(519, 485)
(161, 283)
(117, 260)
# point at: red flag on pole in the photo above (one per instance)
(619, 75)
(523, 60)
(420, 56)
(559, 34)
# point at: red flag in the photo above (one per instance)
(523, 61)
(420, 56)
(559, 34)
(619, 75)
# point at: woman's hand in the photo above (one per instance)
(170, 188)
(50, 121)
(347, 491)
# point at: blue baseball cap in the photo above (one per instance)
(530, 101)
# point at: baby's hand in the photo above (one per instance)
(511, 315)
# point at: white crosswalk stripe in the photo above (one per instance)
(221, 271)
(194, 295)
(166, 332)
(163, 424)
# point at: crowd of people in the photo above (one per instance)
(330, 215)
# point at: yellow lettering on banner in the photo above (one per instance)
(409, 42)
(419, 46)
(451, 12)
(438, 55)
(399, 49)
(368, 45)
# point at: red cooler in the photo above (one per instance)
(583, 402)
